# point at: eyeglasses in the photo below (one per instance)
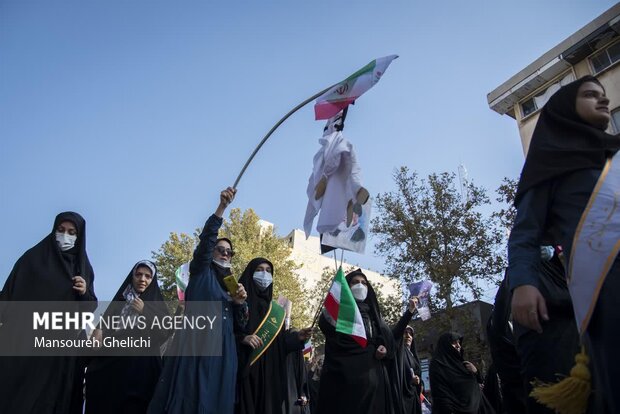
(224, 251)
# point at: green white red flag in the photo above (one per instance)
(181, 276)
(346, 92)
(342, 311)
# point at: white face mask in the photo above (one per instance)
(225, 264)
(65, 241)
(359, 291)
(223, 267)
(263, 279)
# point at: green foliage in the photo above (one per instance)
(506, 195)
(427, 231)
(175, 251)
(250, 240)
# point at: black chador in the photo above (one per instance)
(262, 386)
(46, 385)
(125, 384)
(455, 390)
(353, 380)
(563, 165)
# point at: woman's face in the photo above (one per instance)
(457, 345)
(67, 227)
(263, 267)
(592, 105)
(408, 337)
(223, 251)
(358, 279)
(142, 278)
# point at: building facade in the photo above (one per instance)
(592, 50)
(307, 254)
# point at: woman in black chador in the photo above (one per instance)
(56, 269)
(455, 383)
(568, 151)
(354, 379)
(409, 373)
(262, 386)
(125, 384)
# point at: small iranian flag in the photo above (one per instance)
(307, 348)
(341, 310)
(182, 278)
(347, 91)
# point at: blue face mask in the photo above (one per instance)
(263, 279)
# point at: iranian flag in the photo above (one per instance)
(341, 310)
(181, 276)
(347, 91)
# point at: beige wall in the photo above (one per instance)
(610, 79)
(307, 254)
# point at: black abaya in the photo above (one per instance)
(46, 385)
(126, 384)
(455, 390)
(352, 379)
(262, 387)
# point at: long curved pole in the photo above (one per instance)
(271, 131)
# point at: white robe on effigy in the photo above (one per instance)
(336, 161)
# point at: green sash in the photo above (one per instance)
(268, 329)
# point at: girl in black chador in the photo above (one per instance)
(567, 158)
(125, 384)
(56, 269)
(455, 383)
(262, 381)
(356, 379)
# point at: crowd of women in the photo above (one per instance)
(532, 332)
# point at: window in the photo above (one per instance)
(605, 58)
(615, 120)
(533, 104)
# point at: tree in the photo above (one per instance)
(506, 195)
(249, 240)
(175, 251)
(427, 231)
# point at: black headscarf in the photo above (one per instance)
(152, 297)
(454, 388)
(406, 360)
(44, 272)
(115, 383)
(258, 300)
(563, 142)
(370, 306)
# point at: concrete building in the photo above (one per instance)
(592, 50)
(307, 254)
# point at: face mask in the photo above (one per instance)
(65, 241)
(263, 279)
(359, 291)
(223, 267)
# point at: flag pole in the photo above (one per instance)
(272, 130)
(318, 311)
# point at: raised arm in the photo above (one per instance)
(398, 330)
(204, 251)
